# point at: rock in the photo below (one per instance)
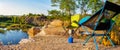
(54, 28)
(26, 41)
(119, 28)
(1, 43)
(55, 31)
(33, 31)
(52, 31)
(42, 33)
(66, 23)
(56, 23)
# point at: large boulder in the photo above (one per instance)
(33, 31)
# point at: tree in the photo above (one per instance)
(67, 6)
(82, 5)
(94, 5)
(14, 19)
(54, 13)
(30, 14)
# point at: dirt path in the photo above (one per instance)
(55, 43)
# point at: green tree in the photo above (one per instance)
(54, 13)
(95, 5)
(22, 19)
(14, 19)
(67, 6)
(82, 5)
(30, 14)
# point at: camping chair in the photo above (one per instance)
(72, 25)
(95, 22)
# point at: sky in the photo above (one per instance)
(20, 7)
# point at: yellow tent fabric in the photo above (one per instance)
(75, 18)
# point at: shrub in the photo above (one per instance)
(2, 31)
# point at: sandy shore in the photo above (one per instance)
(55, 43)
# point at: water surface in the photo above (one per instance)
(12, 36)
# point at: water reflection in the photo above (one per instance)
(12, 36)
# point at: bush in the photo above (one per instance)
(3, 25)
(3, 19)
(24, 27)
(13, 27)
(2, 31)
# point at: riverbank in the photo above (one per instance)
(53, 37)
(55, 43)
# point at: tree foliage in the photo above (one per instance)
(54, 13)
(67, 6)
(82, 5)
(95, 5)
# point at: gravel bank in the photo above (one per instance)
(55, 43)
